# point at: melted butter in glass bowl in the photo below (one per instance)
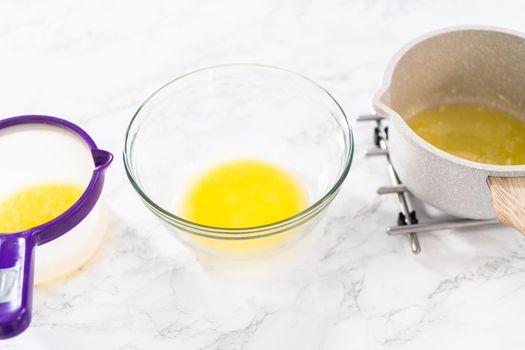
(233, 113)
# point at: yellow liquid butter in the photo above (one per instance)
(35, 205)
(241, 194)
(471, 131)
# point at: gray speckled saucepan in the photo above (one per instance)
(469, 64)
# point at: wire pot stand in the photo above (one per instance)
(407, 221)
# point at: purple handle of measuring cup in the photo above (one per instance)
(17, 249)
(16, 282)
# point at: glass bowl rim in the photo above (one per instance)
(261, 229)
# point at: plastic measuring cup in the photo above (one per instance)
(33, 149)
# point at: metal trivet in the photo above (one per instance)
(407, 221)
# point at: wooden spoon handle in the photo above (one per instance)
(508, 200)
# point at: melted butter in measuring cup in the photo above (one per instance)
(36, 205)
(46, 169)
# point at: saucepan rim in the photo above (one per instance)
(383, 109)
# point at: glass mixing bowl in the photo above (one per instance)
(229, 112)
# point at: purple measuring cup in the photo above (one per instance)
(17, 248)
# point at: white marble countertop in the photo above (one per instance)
(94, 62)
